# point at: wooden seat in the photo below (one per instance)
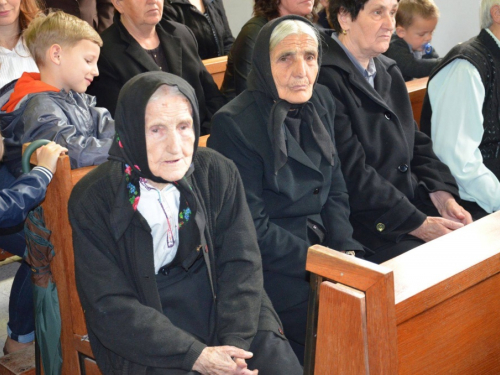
(432, 310)
(216, 67)
(417, 89)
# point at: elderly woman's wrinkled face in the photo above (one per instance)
(169, 136)
(294, 65)
(370, 34)
(298, 7)
(140, 12)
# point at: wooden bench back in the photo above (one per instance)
(431, 310)
(417, 89)
(216, 67)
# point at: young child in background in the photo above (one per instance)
(410, 45)
(52, 104)
(17, 198)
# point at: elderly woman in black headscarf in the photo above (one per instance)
(279, 133)
(167, 263)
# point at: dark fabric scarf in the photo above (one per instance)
(129, 148)
(260, 81)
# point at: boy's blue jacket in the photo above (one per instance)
(21, 197)
(67, 118)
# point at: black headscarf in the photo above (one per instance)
(260, 81)
(130, 149)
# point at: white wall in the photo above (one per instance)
(459, 20)
(238, 13)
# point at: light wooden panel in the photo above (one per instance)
(416, 90)
(217, 68)
(346, 351)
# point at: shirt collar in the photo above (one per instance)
(494, 37)
(369, 73)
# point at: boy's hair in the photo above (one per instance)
(409, 8)
(56, 28)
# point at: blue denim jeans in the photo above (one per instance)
(21, 326)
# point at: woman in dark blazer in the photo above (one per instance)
(401, 195)
(138, 42)
(279, 133)
(208, 24)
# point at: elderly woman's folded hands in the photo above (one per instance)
(222, 360)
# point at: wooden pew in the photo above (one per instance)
(432, 310)
(417, 89)
(216, 67)
(77, 354)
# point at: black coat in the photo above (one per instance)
(306, 188)
(213, 40)
(386, 161)
(239, 59)
(128, 331)
(123, 58)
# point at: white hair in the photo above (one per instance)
(485, 12)
(289, 27)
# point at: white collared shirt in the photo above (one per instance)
(149, 207)
(13, 63)
(457, 95)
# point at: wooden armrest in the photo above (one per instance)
(345, 269)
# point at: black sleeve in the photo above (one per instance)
(408, 64)
(238, 263)
(241, 60)
(108, 85)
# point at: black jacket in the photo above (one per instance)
(239, 59)
(128, 331)
(282, 205)
(123, 58)
(386, 161)
(410, 66)
(214, 37)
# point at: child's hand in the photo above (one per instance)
(47, 155)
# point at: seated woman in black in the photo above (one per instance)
(167, 263)
(139, 41)
(401, 195)
(279, 133)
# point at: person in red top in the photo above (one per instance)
(52, 104)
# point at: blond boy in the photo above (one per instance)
(410, 44)
(52, 104)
